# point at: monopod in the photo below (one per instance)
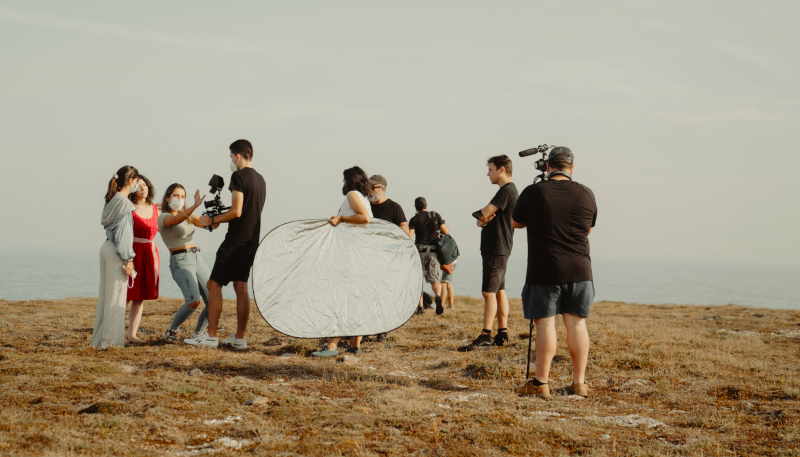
(530, 336)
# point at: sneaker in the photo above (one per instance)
(235, 343)
(439, 308)
(427, 301)
(203, 340)
(577, 389)
(381, 338)
(325, 353)
(420, 310)
(528, 389)
(482, 341)
(500, 339)
(356, 351)
(170, 336)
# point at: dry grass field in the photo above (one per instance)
(666, 380)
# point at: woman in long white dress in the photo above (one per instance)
(116, 259)
(354, 210)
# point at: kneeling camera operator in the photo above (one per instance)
(235, 255)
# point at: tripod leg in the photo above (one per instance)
(530, 337)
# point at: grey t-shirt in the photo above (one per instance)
(176, 236)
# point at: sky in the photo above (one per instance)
(682, 115)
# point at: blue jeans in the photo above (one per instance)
(191, 274)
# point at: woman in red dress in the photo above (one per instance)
(145, 228)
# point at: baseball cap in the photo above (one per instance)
(420, 203)
(378, 179)
(560, 154)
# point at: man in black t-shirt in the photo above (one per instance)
(497, 239)
(559, 215)
(384, 208)
(388, 210)
(235, 255)
(426, 225)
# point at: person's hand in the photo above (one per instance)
(215, 226)
(486, 219)
(198, 200)
(335, 220)
(204, 221)
(129, 268)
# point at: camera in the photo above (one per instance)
(540, 164)
(215, 207)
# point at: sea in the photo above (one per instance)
(53, 275)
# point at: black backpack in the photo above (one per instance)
(446, 246)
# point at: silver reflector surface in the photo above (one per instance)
(314, 280)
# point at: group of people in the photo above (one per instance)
(557, 212)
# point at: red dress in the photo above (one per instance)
(145, 286)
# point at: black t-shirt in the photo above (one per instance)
(497, 237)
(247, 227)
(426, 225)
(389, 211)
(558, 216)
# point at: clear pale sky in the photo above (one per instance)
(683, 116)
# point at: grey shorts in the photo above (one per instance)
(540, 301)
(448, 277)
(430, 266)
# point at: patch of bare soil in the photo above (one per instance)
(666, 380)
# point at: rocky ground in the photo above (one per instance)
(666, 380)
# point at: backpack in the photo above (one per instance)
(446, 248)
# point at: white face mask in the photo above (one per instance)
(176, 203)
(234, 167)
(134, 187)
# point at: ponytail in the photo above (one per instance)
(120, 178)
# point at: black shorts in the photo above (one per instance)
(494, 273)
(233, 263)
(540, 301)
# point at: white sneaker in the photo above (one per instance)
(235, 343)
(203, 340)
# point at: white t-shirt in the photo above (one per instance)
(346, 210)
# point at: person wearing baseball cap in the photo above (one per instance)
(386, 209)
(427, 225)
(559, 215)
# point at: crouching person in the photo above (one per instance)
(559, 214)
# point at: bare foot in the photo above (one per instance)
(133, 339)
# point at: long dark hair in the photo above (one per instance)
(123, 175)
(150, 191)
(165, 208)
(356, 179)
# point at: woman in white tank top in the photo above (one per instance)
(354, 210)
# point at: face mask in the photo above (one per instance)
(176, 203)
(134, 187)
(234, 168)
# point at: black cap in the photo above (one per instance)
(420, 203)
(560, 154)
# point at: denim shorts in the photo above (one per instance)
(448, 277)
(540, 301)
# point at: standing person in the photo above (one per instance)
(559, 214)
(354, 210)
(388, 210)
(497, 239)
(146, 261)
(116, 259)
(235, 255)
(427, 225)
(447, 287)
(177, 226)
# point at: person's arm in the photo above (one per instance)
(171, 220)
(444, 229)
(123, 239)
(237, 200)
(404, 226)
(361, 217)
(517, 225)
(411, 233)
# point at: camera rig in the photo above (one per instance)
(539, 164)
(215, 207)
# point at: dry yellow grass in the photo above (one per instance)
(714, 381)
